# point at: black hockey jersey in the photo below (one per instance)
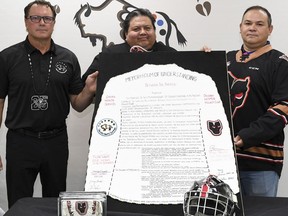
(258, 82)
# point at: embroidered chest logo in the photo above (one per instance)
(239, 91)
(39, 102)
(61, 67)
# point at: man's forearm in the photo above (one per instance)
(1, 113)
(82, 101)
(1, 110)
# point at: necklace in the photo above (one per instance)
(33, 78)
(39, 101)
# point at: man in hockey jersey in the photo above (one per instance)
(259, 97)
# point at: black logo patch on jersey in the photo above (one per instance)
(239, 89)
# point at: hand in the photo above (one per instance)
(85, 97)
(91, 82)
(238, 142)
(206, 49)
(282, 107)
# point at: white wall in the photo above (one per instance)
(219, 30)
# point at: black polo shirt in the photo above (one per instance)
(38, 97)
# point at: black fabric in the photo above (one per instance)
(27, 157)
(211, 64)
(254, 206)
(165, 210)
(119, 50)
(38, 110)
(122, 48)
(34, 207)
(42, 134)
(256, 86)
(48, 207)
(266, 206)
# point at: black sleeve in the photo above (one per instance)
(159, 46)
(124, 47)
(3, 78)
(265, 128)
(269, 126)
(92, 68)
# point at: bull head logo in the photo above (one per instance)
(120, 8)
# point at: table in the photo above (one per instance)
(253, 206)
(48, 207)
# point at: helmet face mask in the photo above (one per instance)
(210, 196)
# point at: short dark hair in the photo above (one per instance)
(257, 7)
(39, 2)
(135, 13)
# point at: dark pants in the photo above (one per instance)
(26, 156)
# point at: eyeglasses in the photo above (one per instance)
(37, 19)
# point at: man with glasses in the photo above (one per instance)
(41, 79)
(37, 19)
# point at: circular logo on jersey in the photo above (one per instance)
(106, 127)
(61, 67)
